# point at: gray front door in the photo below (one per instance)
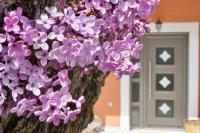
(165, 64)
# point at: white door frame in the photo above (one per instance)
(193, 72)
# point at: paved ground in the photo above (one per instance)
(118, 130)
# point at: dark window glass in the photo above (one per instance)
(164, 108)
(164, 56)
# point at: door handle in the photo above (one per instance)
(150, 80)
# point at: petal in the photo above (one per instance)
(14, 95)
(46, 106)
(1, 66)
(123, 6)
(47, 26)
(28, 87)
(43, 36)
(56, 121)
(62, 29)
(21, 110)
(78, 105)
(38, 21)
(14, 20)
(81, 99)
(2, 38)
(44, 17)
(14, 65)
(52, 35)
(19, 11)
(53, 9)
(114, 1)
(90, 22)
(42, 117)
(20, 90)
(37, 113)
(1, 48)
(13, 110)
(36, 46)
(43, 61)
(39, 54)
(100, 22)
(49, 119)
(36, 91)
(60, 37)
(59, 14)
(5, 81)
(16, 28)
(75, 27)
(7, 20)
(51, 21)
(44, 46)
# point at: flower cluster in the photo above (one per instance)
(36, 56)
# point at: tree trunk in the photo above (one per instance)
(88, 86)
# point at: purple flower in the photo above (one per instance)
(40, 41)
(85, 55)
(86, 24)
(23, 106)
(25, 67)
(43, 56)
(56, 117)
(45, 21)
(11, 24)
(145, 8)
(71, 19)
(73, 114)
(43, 115)
(15, 90)
(63, 78)
(18, 50)
(28, 34)
(124, 5)
(57, 55)
(88, 4)
(11, 63)
(102, 6)
(45, 99)
(34, 85)
(79, 102)
(58, 33)
(53, 11)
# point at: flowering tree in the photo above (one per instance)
(55, 56)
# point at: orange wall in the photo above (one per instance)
(167, 11)
(110, 94)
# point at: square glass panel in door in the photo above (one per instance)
(164, 82)
(165, 108)
(135, 116)
(135, 92)
(164, 56)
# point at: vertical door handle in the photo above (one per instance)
(150, 80)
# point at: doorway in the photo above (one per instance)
(158, 92)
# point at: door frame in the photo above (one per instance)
(192, 72)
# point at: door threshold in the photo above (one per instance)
(158, 130)
(111, 129)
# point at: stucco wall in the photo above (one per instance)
(167, 11)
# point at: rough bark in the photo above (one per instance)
(88, 86)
